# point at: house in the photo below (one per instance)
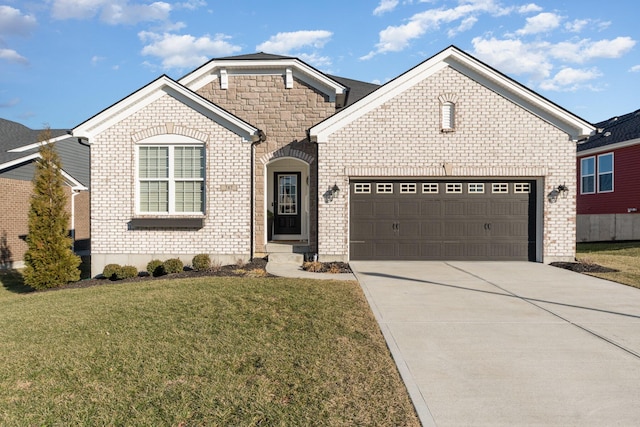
(608, 204)
(450, 160)
(18, 152)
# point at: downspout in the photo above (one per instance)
(74, 193)
(256, 139)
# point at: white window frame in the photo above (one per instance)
(171, 142)
(522, 187)
(500, 188)
(430, 188)
(453, 188)
(384, 188)
(408, 188)
(592, 175)
(475, 188)
(600, 174)
(362, 187)
(448, 112)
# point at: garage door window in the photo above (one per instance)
(384, 187)
(521, 187)
(362, 188)
(499, 187)
(430, 188)
(475, 188)
(454, 187)
(408, 187)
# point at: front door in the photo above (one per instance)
(286, 213)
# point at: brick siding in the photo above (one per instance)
(493, 137)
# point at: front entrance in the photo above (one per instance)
(287, 203)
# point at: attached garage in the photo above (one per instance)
(492, 219)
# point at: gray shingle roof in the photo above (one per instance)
(614, 130)
(73, 155)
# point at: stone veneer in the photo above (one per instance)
(284, 115)
(493, 137)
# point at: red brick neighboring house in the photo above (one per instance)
(608, 203)
(18, 153)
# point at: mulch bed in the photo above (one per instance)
(327, 267)
(223, 271)
(580, 267)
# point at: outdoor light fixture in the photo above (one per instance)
(331, 193)
(335, 190)
(559, 190)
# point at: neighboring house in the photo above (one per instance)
(608, 204)
(450, 160)
(18, 152)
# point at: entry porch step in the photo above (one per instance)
(287, 252)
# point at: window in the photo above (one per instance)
(454, 187)
(500, 187)
(587, 175)
(448, 116)
(386, 187)
(521, 187)
(475, 188)
(408, 187)
(430, 187)
(171, 179)
(362, 188)
(605, 173)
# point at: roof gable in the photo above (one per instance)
(453, 57)
(155, 90)
(263, 63)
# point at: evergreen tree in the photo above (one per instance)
(49, 260)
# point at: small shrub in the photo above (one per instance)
(172, 265)
(126, 272)
(256, 272)
(110, 271)
(334, 268)
(201, 262)
(312, 266)
(154, 268)
(240, 263)
(216, 266)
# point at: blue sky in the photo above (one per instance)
(62, 61)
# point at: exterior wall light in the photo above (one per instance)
(560, 190)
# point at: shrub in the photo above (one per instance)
(111, 271)
(172, 265)
(201, 262)
(126, 272)
(312, 266)
(154, 268)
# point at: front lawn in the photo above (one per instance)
(624, 257)
(214, 351)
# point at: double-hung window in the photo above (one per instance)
(605, 173)
(588, 175)
(171, 179)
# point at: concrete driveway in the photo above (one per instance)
(509, 343)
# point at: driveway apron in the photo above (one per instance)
(509, 343)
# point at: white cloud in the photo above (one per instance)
(13, 22)
(110, 11)
(529, 8)
(11, 55)
(577, 25)
(541, 23)
(570, 79)
(283, 43)
(191, 4)
(318, 61)
(465, 25)
(398, 38)
(184, 51)
(385, 6)
(635, 69)
(512, 56)
(95, 60)
(10, 103)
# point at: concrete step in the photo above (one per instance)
(286, 258)
(298, 248)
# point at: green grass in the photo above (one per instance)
(621, 256)
(195, 352)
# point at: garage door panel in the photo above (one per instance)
(477, 222)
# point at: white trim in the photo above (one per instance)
(287, 67)
(612, 172)
(38, 144)
(594, 175)
(151, 93)
(71, 181)
(610, 147)
(472, 68)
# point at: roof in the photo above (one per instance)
(615, 130)
(356, 89)
(575, 127)
(19, 147)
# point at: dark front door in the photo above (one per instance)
(286, 209)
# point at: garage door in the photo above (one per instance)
(443, 220)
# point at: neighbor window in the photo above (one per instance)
(171, 179)
(605, 173)
(587, 175)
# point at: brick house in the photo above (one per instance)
(608, 204)
(18, 153)
(450, 160)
